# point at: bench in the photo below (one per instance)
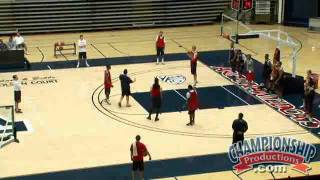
(64, 49)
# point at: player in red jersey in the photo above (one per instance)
(137, 151)
(160, 46)
(155, 98)
(193, 103)
(107, 83)
(193, 54)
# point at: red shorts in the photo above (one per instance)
(250, 76)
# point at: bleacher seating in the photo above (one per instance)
(38, 16)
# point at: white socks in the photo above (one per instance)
(78, 64)
(162, 60)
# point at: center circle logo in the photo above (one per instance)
(172, 79)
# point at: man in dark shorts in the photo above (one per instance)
(82, 44)
(17, 93)
(193, 104)
(125, 81)
(239, 127)
(193, 55)
(137, 151)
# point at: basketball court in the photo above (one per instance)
(67, 131)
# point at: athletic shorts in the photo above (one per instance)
(17, 96)
(107, 91)
(137, 165)
(156, 102)
(191, 111)
(82, 55)
(194, 68)
(160, 51)
(126, 92)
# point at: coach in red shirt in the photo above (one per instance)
(137, 151)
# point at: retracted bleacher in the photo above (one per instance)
(38, 16)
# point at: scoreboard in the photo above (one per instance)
(242, 5)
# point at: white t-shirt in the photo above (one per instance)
(188, 95)
(82, 45)
(16, 85)
(18, 40)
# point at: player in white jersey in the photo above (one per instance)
(82, 44)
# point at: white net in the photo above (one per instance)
(6, 125)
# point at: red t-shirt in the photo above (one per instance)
(160, 42)
(141, 149)
(193, 103)
(194, 57)
(107, 80)
(155, 92)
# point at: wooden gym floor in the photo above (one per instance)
(72, 130)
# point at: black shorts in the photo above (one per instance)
(82, 55)
(107, 92)
(236, 137)
(156, 102)
(126, 92)
(137, 165)
(17, 96)
(194, 68)
(191, 112)
(160, 51)
(20, 46)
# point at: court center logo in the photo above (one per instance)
(271, 151)
(172, 79)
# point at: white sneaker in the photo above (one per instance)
(87, 65)
(108, 101)
(78, 65)
(162, 63)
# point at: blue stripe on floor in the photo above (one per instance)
(20, 126)
(153, 169)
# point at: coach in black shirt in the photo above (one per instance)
(239, 127)
(125, 81)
